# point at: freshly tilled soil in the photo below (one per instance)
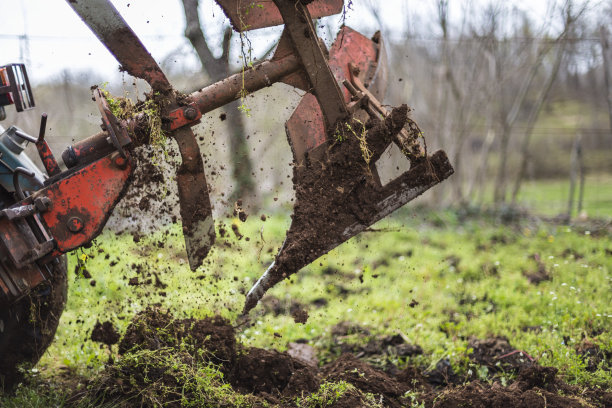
(273, 378)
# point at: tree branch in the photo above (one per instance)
(193, 31)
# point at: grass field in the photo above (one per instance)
(433, 278)
(550, 198)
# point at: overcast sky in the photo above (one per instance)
(59, 40)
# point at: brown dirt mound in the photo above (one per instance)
(268, 371)
(497, 354)
(212, 338)
(366, 378)
(535, 387)
(173, 362)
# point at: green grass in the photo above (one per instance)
(550, 198)
(467, 277)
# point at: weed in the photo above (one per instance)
(124, 108)
(327, 395)
(412, 398)
(366, 153)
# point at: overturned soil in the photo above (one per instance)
(176, 362)
(338, 193)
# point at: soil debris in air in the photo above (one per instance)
(300, 316)
(198, 362)
(239, 211)
(105, 333)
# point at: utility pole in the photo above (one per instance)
(607, 60)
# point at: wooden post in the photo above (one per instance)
(582, 173)
(575, 169)
(606, 53)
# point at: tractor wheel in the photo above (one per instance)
(28, 327)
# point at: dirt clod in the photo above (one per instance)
(105, 333)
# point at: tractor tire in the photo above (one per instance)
(28, 327)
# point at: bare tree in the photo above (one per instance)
(570, 18)
(219, 68)
(606, 52)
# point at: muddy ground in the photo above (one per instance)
(175, 363)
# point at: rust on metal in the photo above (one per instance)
(250, 15)
(183, 116)
(46, 156)
(251, 80)
(87, 150)
(306, 128)
(89, 194)
(44, 151)
(298, 23)
(194, 200)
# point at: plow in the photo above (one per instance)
(337, 134)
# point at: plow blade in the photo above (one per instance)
(338, 191)
(357, 211)
(194, 200)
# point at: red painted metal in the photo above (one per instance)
(184, 116)
(250, 15)
(306, 127)
(85, 197)
(46, 155)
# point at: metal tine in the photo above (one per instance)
(119, 38)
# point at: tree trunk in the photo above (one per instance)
(607, 59)
(242, 170)
(574, 169)
(533, 118)
(219, 68)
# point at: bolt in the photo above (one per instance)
(119, 161)
(22, 284)
(75, 224)
(191, 113)
(42, 203)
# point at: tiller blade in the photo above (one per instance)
(195, 208)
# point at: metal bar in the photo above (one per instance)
(195, 207)
(249, 15)
(298, 23)
(229, 89)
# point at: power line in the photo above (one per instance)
(395, 38)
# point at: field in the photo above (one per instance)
(455, 299)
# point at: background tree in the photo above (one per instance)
(217, 69)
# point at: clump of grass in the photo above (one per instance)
(166, 376)
(361, 136)
(124, 108)
(329, 393)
